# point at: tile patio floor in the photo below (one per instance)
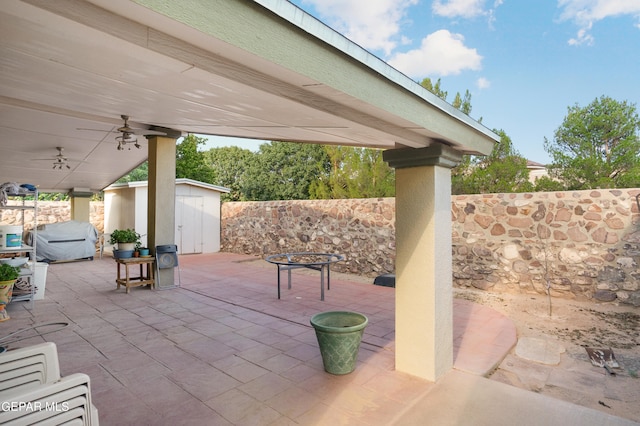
(222, 349)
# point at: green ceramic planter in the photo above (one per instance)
(339, 335)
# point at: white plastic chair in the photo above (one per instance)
(66, 400)
(33, 392)
(25, 368)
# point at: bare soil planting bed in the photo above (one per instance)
(573, 326)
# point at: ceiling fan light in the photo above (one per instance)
(126, 138)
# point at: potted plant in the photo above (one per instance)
(126, 239)
(8, 276)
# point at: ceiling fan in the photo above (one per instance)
(127, 134)
(60, 161)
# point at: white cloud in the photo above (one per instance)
(582, 37)
(483, 83)
(464, 8)
(440, 54)
(586, 12)
(374, 24)
(454, 8)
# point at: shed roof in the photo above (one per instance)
(179, 181)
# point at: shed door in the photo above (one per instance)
(189, 220)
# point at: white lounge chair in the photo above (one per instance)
(32, 391)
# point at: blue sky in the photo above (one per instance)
(524, 61)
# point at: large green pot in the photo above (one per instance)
(339, 334)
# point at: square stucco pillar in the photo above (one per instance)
(424, 294)
(80, 208)
(161, 213)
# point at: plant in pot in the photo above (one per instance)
(140, 251)
(8, 276)
(127, 240)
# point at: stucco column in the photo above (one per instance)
(424, 294)
(80, 207)
(161, 213)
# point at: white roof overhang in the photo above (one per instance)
(262, 69)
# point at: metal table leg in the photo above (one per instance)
(278, 281)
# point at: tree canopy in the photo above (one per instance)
(140, 173)
(504, 170)
(284, 171)
(229, 165)
(597, 146)
(355, 173)
(191, 163)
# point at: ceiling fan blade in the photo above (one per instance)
(70, 160)
(139, 132)
(132, 130)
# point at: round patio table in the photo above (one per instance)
(315, 261)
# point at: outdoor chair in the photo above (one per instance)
(33, 392)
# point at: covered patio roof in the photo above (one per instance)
(262, 69)
(259, 69)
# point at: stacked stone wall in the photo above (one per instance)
(361, 229)
(580, 244)
(52, 212)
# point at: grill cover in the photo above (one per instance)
(65, 241)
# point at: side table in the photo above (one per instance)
(128, 281)
(315, 261)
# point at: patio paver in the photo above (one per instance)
(222, 349)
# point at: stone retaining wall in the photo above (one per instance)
(361, 229)
(53, 212)
(582, 244)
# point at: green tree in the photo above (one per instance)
(460, 183)
(372, 175)
(284, 171)
(332, 184)
(504, 170)
(463, 103)
(597, 146)
(547, 184)
(192, 163)
(436, 89)
(230, 165)
(355, 173)
(140, 173)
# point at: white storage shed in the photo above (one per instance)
(197, 227)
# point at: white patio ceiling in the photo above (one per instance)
(261, 70)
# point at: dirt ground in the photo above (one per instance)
(572, 326)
